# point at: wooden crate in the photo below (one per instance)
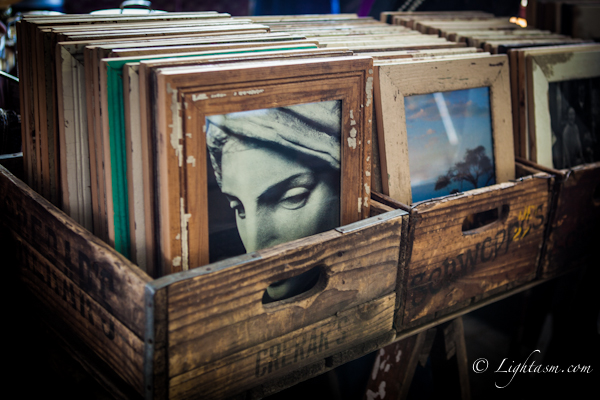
(446, 269)
(574, 231)
(205, 332)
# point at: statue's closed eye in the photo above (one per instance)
(295, 198)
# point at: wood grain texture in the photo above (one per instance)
(574, 233)
(74, 156)
(224, 307)
(317, 368)
(156, 371)
(135, 166)
(91, 322)
(95, 148)
(24, 104)
(247, 368)
(109, 279)
(41, 122)
(51, 121)
(448, 268)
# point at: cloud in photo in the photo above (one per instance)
(461, 104)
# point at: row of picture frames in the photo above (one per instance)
(280, 150)
(288, 163)
(239, 147)
(283, 150)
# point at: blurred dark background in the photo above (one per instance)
(559, 317)
(277, 7)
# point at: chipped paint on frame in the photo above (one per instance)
(249, 92)
(199, 96)
(176, 135)
(369, 90)
(184, 235)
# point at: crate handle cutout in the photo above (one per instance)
(478, 222)
(297, 287)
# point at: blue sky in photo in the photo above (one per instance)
(435, 144)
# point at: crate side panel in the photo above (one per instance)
(252, 366)
(216, 314)
(118, 346)
(106, 276)
(448, 267)
(575, 231)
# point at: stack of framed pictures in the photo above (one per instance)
(495, 35)
(574, 18)
(408, 18)
(38, 37)
(97, 143)
(197, 137)
(498, 36)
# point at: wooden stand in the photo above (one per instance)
(443, 347)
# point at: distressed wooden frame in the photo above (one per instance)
(136, 130)
(395, 82)
(562, 65)
(183, 209)
(77, 188)
(518, 59)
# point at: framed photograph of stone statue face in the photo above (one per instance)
(274, 152)
(273, 176)
(444, 126)
(564, 103)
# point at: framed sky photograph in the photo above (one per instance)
(564, 103)
(450, 144)
(276, 151)
(444, 126)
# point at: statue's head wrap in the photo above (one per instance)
(312, 130)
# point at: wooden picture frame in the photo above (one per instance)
(183, 100)
(394, 82)
(139, 165)
(542, 70)
(518, 61)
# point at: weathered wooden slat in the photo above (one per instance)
(247, 368)
(324, 365)
(449, 268)
(216, 312)
(155, 359)
(93, 324)
(107, 277)
(574, 232)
